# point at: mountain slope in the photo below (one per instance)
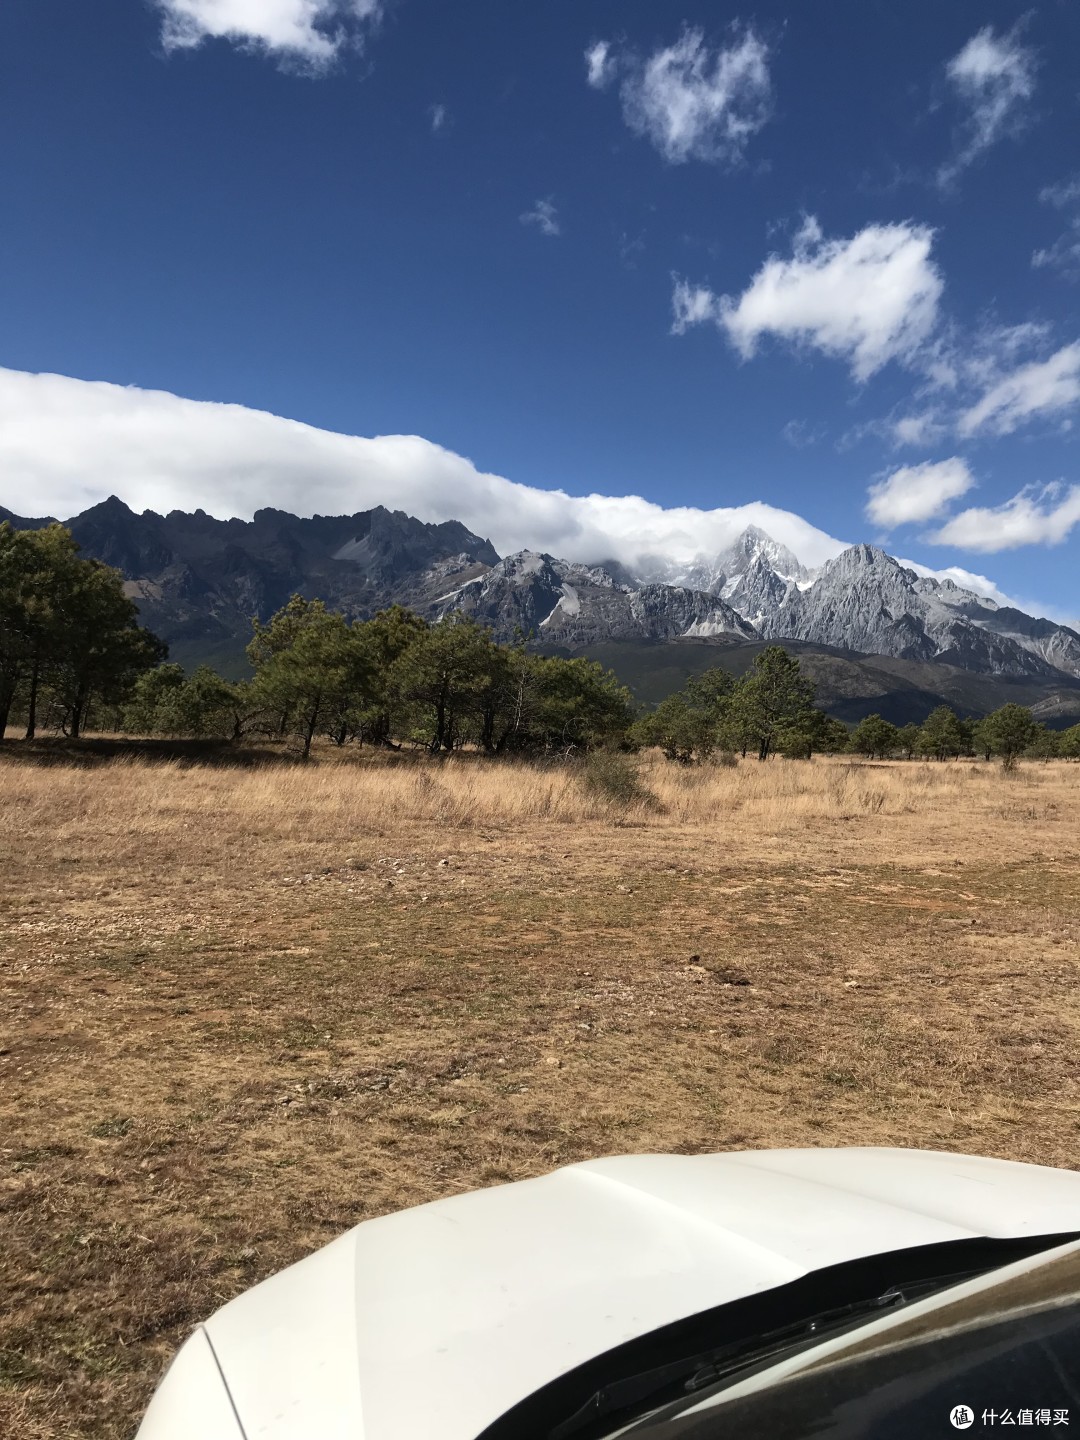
(576, 605)
(199, 580)
(865, 600)
(849, 686)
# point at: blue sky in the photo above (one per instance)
(812, 257)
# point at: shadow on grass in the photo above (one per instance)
(220, 754)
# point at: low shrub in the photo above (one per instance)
(614, 776)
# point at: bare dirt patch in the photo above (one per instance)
(243, 1009)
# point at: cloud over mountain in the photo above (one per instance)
(66, 444)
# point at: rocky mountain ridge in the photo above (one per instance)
(865, 600)
(559, 603)
(199, 580)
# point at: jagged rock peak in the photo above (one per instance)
(753, 544)
(758, 592)
(863, 557)
(111, 508)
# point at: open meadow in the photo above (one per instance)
(242, 1009)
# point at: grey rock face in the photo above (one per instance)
(562, 604)
(865, 600)
(722, 574)
(198, 581)
(758, 592)
(754, 545)
(665, 612)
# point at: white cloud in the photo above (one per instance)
(918, 492)
(545, 216)
(1062, 195)
(969, 373)
(1039, 388)
(919, 429)
(801, 434)
(599, 64)
(66, 444)
(1035, 516)
(993, 77)
(969, 580)
(439, 116)
(1064, 253)
(310, 33)
(691, 101)
(692, 305)
(867, 300)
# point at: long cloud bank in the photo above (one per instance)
(66, 444)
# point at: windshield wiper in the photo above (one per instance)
(649, 1388)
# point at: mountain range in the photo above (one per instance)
(198, 581)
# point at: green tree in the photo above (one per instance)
(440, 679)
(67, 630)
(309, 665)
(49, 603)
(578, 705)
(146, 710)
(774, 698)
(1044, 744)
(967, 734)
(794, 744)
(875, 736)
(383, 640)
(981, 739)
(1069, 743)
(907, 739)
(40, 613)
(827, 735)
(691, 722)
(105, 649)
(17, 568)
(205, 706)
(506, 700)
(165, 701)
(680, 730)
(941, 734)
(1007, 732)
(711, 692)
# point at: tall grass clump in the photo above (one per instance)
(611, 776)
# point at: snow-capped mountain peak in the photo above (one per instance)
(868, 601)
(753, 545)
(568, 604)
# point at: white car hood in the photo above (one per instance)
(437, 1320)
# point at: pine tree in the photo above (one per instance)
(774, 698)
(875, 736)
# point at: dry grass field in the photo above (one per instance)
(243, 1009)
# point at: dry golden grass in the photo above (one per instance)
(242, 1009)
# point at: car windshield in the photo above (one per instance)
(1011, 1348)
(678, 1365)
